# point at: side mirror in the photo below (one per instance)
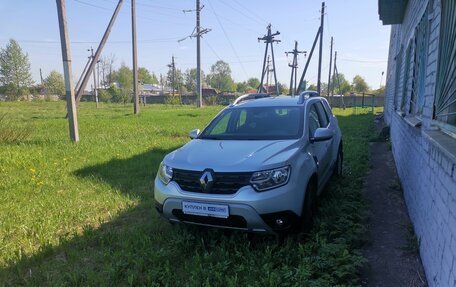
(194, 134)
(321, 134)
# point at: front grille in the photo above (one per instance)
(224, 182)
(234, 221)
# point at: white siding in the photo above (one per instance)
(427, 173)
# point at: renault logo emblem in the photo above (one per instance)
(207, 180)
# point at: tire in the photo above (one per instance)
(338, 167)
(309, 206)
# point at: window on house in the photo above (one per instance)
(445, 95)
(419, 69)
(398, 77)
(405, 80)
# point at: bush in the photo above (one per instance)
(172, 100)
(104, 96)
(210, 101)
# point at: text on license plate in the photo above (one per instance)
(205, 209)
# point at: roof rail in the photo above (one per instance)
(248, 97)
(305, 95)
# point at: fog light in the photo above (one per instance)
(280, 222)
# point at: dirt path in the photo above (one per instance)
(392, 249)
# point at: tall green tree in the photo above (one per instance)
(178, 80)
(220, 77)
(243, 87)
(340, 84)
(283, 89)
(190, 79)
(253, 82)
(145, 77)
(124, 78)
(359, 84)
(15, 70)
(54, 84)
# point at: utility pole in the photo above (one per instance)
(330, 66)
(135, 59)
(294, 67)
(161, 83)
(334, 73)
(66, 58)
(41, 76)
(95, 91)
(199, 89)
(86, 76)
(321, 46)
(173, 73)
(269, 39)
(89, 59)
(268, 69)
(197, 33)
(301, 81)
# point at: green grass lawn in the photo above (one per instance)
(82, 214)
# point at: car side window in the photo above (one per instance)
(324, 119)
(327, 109)
(314, 121)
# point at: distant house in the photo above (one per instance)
(208, 92)
(150, 89)
(420, 108)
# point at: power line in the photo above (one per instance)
(241, 12)
(142, 17)
(227, 38)
(250, 11)
(362, 61)
(212, 49)
(156, 40)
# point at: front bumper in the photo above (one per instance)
(261, 212)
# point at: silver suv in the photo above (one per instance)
(258, 166)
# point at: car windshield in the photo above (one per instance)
(256, 123)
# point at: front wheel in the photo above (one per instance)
(309, 207)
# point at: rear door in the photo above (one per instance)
(321, 151)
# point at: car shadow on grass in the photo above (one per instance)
(135, 248)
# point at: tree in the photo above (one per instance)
(15, 70)
(178, 79)
(220, 77)
(123, 77)
(253, 82)
(340, 84)
(107, 69)
(54, 84)
(190, 79)
(312, 87)
(359, 84)
(243, 87)
(145, 77)
(378, 92)
(283, 89)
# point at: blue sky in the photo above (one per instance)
(360, 39)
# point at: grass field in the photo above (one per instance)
(82, 214)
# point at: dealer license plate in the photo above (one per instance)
(205, 209)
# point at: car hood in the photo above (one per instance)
(233, 155)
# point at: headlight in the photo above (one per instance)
(267, 179)
(165, 173)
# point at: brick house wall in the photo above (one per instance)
(425, 155)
